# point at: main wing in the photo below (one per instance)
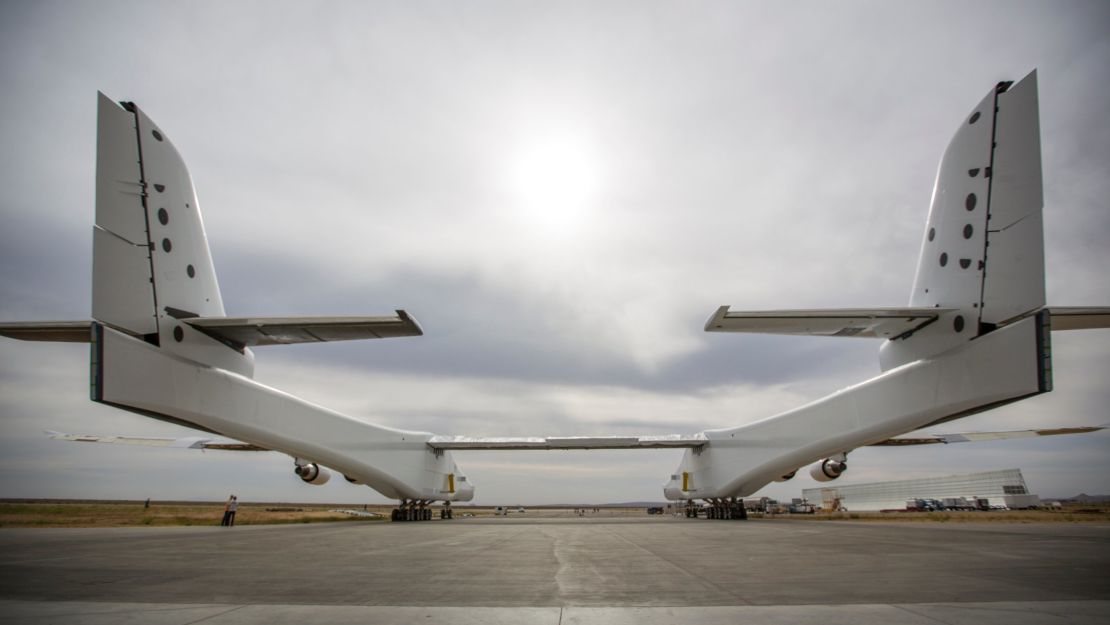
(1080, 317)
(972, 437)
(665, 441)
(189, 442)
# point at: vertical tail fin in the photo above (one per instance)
(983, 250)
(151, 262)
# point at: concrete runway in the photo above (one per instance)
(560, 571)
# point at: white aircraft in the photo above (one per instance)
(976, 334)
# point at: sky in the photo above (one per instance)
(561, 194)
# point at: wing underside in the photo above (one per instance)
(862, 322)
(241, 331)
(1080, 317)
(972, 437)
(567, 442)
(191, 442)
(253, 331)
(666, 441)
(887, 323)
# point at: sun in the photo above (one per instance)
(553, 181)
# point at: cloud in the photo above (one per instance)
(761, 157)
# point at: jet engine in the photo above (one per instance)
(312, 473)
(828, 470)
(786, 477)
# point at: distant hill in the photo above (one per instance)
(1081, 498)
(627, 504)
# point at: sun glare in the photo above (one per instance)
(554, 182)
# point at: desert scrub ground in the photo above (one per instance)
(46, 513)
(125, 514)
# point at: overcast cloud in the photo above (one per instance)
(355, 158)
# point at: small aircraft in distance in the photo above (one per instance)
(975, 335)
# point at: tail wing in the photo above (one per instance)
(983, 251)
(981, 263)
(862, 322)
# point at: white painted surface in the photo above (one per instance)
(397, 463)
(1014, 282)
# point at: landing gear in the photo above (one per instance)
(418, 510)
(719, 509)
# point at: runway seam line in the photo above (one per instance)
(915, 613)
(704, 580)
(201, 620)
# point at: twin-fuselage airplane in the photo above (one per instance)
(976, 333)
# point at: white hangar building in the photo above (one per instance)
(1002, 488)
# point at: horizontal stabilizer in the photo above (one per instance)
(863, 322)
(567, 442)
(55, 331)
(191, 442)
(1080, 317)
(252, 331)
(240, 331)
(972, 437)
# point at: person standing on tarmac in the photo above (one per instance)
(227, 512)
(232, 507)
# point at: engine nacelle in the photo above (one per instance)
(786, 477)
(464, 491)
(828, 470)
(312, 473)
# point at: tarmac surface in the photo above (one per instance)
(577, 570)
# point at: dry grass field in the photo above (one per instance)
(41, 513)
(124, 514)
